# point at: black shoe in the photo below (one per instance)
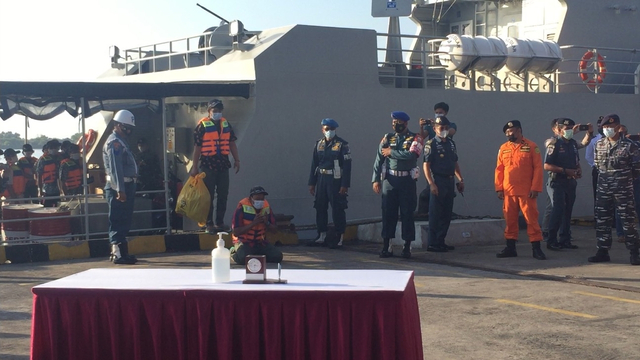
(436, 248)
(128, 260)
(601, 256)
(448, 247)
(635, 259)
(406, 252)
(386, 254)
(568, 245)
(538, 254)
(507, 252)
(553, 246)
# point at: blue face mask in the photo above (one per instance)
(216, 116)
(258, 204)
(609, 132)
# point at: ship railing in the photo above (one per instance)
(179, 53)
(81, 226)
(422, 69)
(596, 75)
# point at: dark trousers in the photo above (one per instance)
(615, 192)
(240, 251)
(594, 184)
(327, 192)
(440, 210)
(398, 192)
(31, 191)
(48, 201)
(546, 216)
(564, 196)
(120, 213)
(217, 182)
(423, 200)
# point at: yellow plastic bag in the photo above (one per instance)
(194, 199)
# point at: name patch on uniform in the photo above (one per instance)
(525, 149)
(506, 151)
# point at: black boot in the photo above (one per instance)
(509, 251)
(385, 253)
(120, 254)
(537, 251)
(601, 256)
(406, 250)
(635, 257)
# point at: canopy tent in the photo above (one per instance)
(45, 100)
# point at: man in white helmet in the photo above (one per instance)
(121, 172)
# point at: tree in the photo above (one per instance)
(74, 138)
(10, 139)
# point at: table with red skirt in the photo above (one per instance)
(179, 314)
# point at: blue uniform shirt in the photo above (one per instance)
(562, 153)
(324, 155)
(442, 156)
(118, 162)
(591, 150)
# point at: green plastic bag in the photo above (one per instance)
(194, 199)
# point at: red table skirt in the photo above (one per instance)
(200, 324)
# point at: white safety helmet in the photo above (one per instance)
(125, 117)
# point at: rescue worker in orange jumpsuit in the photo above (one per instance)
(214, 140)
(518, 181)
(252, 218)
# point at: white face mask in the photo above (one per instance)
(443, 134)
(609, 132)
(258, 204)
(216, 116)
(329, 134)
(568, 134)
(439, 115)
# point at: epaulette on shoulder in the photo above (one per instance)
(551, 142)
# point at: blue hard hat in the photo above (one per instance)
(400, 115)
(329, 122)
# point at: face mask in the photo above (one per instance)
(75, 156)
(439, 115)
(258, 204)
(329, 134)
(609, 132)
(443, 134)
(399, 127)
(216, 116)
(568, 134)
(512, 138)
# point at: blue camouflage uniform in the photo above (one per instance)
(618, 164)
(330, 170)
(398, 184)
(121, 170)
(562, 153)
(441, 157)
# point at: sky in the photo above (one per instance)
(68, 40)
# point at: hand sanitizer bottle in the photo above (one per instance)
(221, 261)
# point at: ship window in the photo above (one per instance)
(512, 31)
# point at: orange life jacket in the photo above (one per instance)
(27, 165)
(74, 174)
(214, 141)
(50, 169)
(19, 181)
(256, 233)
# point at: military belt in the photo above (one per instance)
(127, 179)
(326, 171)
(398, 172)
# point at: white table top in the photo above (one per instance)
(200, 279)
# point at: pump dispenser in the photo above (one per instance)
(221, 261)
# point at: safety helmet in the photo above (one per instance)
(125, 117)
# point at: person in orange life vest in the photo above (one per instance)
(27, 163)
(71, 172)
(518, 181)
(15, 179)
(47, 171)
(214, 140)
(252, 218)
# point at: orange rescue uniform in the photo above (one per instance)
(519, 171)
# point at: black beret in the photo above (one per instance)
(511, 124)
